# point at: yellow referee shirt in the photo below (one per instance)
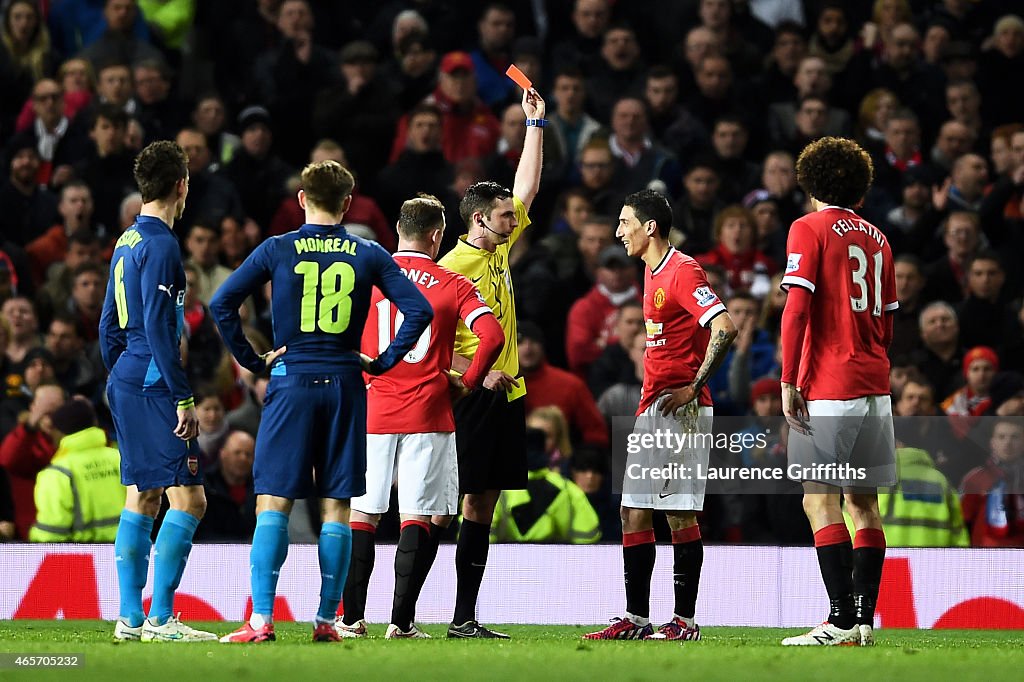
(489, 271)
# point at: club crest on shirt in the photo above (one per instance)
(704, 296)
(793, 264)
(193, 465)
(659, 298)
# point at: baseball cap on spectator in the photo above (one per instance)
(73, 416)
(528, 329)
(765, 386)
(455, 61)
(359, 52)
(980, 353)
(755, 197)
(613, 257)
(253, 115)
(1006, 385)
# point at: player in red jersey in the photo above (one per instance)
(688, 334)
(409, 425)
(836, 328)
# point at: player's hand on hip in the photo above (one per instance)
(533, 104)
(496, 380)
(795, 409)
(366, 362)
(271, 355)
(456, 389)
(188, 424)
(674, 399)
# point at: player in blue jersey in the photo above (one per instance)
(314, 413)
(151, 401)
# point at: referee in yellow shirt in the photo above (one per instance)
(490, 423)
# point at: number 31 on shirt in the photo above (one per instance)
(861, 275)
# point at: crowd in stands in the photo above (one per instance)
(708, 101)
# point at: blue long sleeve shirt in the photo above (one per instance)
(143, 312)
(322, 278)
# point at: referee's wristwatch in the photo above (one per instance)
(536, 122)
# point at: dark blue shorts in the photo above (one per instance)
(312, 437)
(151, 455)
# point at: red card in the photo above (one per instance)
(519, 77)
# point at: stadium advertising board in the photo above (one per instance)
(544, 584)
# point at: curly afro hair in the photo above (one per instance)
(836, 171)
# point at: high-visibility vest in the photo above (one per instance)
(79, 497)
(550, 509)
(922, 510)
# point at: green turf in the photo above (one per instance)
(534, 653)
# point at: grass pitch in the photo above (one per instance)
(535, 652)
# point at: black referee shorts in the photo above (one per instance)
(490, 435)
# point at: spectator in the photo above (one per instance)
(421, 167)
(942, 355)
(468, 128)
(88, 285)
(83, 247)
(235, 244)
(992, 503)
(831, 40)
(159, 113)
(557, 447)
(580, 274)
(73, 370)
(496, 31)
(106, 166)
(917, 426)
(79, 496)
(623, 398)
(362, 211)
(211, 196)
(917, 85)
(501, 165)
(230, 495)
(205, 349)
(716, 94)
(996, 68)
(964, 104)
(213, 427)
(670, 123)
(788, 50)
(947, 275)
(23, 330)
(203, 247)
(873, 118)
(413, 71)
(810, 80)
(210, 119)
(740, 176)
(76, 209)
(590, 472)
(590, 327)
(597, 170)
(614, 365)
(558, 510)
(78, 80)
(698, 43)
(641, 160)
(906, 333)
(694, 213)
(258, 175)
(29, 210)
(778, 177)
(582, 47)
(26, 54)
(984, 316)
(901, 221)
(246, 417)
(901, 152)
(570, 127)
(26, 450)
(119, 41)
(59, 143)
(618, 73)
(358, 112)
(972, 400)
(717, 17)
(771, 237)
(751, 356)
(552, 386)
(748, 269)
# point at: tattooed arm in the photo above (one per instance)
(723, 331)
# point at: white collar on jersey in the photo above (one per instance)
(664, 261)
(838, 208)
(413, 254)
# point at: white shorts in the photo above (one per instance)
(679, 487)
(852, 443)
(424, 465)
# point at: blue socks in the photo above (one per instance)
(335, 554)
(131, 557)
(269, 549)
(173, 543)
